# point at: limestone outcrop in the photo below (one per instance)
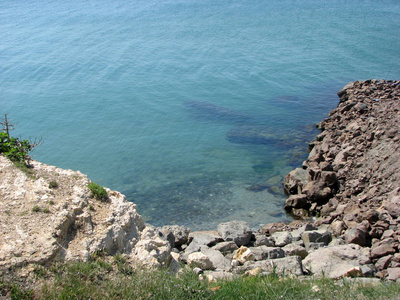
(50, 215)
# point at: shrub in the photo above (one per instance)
(14, 148)
(36, 208)
(98, 191)
(53, 184)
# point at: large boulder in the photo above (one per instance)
(237, 231)
(294, 181)
(337, 261)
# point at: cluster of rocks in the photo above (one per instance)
(284, 249)
(351, 179)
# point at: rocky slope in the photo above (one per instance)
(350, 181)
(51, 216)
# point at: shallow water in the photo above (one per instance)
(109, 85)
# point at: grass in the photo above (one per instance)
(104, 278)
(25, 168)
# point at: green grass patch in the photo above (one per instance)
(98, 191)
(105, 278)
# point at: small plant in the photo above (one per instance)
(23, 213)
(51, 202)
(46, 210)
(98, 191)
(91, 208)
(40, 271)
(53, 184)
(36, 208)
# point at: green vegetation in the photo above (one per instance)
(15, 149)
(98, 191)
(105, 278)
(53, 184)
(36, 209)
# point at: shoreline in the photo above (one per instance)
(350, 181)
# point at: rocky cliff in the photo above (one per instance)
(50, 215)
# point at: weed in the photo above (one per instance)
(36, 209)
(46, 210)
(53, 184)
(98, 191)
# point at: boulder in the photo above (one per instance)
(243, 254)
(282, 238)
(293, 182)
(290, 265)
(236, 231)
(226, 247)
(295, 250)
(297, 201)
(217, 259)
(200, 238)
(200, 260)
(355, 236)
(264, 252)
(180, 234)
(337, 261)
(262, 240)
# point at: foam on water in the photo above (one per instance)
(107, 85)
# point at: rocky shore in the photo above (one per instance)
(349, 185)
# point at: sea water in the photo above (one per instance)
(141, 95)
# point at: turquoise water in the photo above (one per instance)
(110, 86)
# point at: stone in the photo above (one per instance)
(355, 236)
(312, 246)
(264, 252)
(262, 240)
(290, 265)
(382, 250)
(199, 260)
(383, 262)
(337, 227)
(200, 238)
(217, 259)
(296, 201)
(180, 234)
(244, 254)
(282, 238)
(316, 237)
(295, 180)
(236, 231)
(337, 261)
(295, 250)
(226, 247)
(393, 274)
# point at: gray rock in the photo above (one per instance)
(180, 234)
(290, 265)
(216, 257)
(226, 247)
(313, 246)
(200, 260)
(337, 261)
(237, 231)
(295, 180)
(200, 238)
(316, 237)
(296, 201)
(262, 240)
(264, 252)
(295, 250)
(282, 238)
